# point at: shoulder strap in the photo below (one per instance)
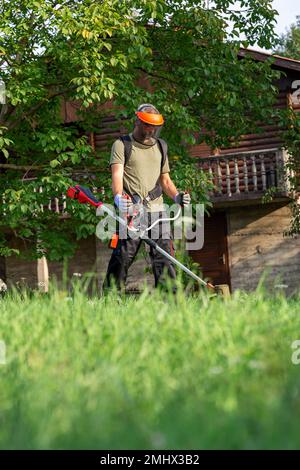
(162, 144)
(127, 147)
(163, 147)
(157, 190)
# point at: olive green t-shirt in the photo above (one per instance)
(142, 169)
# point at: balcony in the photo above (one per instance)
(239, 179)
(243, 178)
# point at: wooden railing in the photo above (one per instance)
(235, 176)
(246, 175)
(56, 204)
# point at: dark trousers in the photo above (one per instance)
(124, 254)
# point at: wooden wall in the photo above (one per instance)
(268, 138)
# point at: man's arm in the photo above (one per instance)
(169, 188)
(117, 171)
(122, 202)
(167, 185)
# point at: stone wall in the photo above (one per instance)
(256, 245)
(82, 264)
(20, 271)
(89, 265)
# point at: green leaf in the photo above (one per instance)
(108, 46)
(54, 163)
(5, 153)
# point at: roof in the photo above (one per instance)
(281, 62)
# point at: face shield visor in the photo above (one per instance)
(149, 126)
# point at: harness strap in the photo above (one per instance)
(157, 190)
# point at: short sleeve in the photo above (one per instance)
(166, 168)
(117, 153)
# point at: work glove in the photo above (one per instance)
(123, 202)
(183, 199)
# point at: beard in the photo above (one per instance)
(147, 137)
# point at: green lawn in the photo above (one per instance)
(150, 372)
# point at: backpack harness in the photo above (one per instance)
(163, 147)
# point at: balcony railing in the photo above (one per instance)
(247, 175)
(55, 204)
(236, 177)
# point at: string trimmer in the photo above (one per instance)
(84, 195)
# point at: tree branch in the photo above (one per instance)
(11, 166)
(38, 106)
(168, 79)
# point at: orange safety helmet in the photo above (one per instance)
(150, 118)
(148, 115)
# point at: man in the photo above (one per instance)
(139, 166)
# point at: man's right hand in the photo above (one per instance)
(123, 202)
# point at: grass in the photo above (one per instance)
(153, 372)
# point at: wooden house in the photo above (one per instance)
(243, 237)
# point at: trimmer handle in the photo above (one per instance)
(83, 195)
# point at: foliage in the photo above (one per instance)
(292, 145)
(289, 43)
(98, 53)
(197, 182)
(289, 46)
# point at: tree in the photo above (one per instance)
(93, 52)
(289, 43)
(289, 46)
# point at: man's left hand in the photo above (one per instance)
(183, 199)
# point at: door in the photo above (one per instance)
(213, 256)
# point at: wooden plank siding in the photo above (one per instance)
(111, 129)
(269, 137)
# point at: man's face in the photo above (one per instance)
(146, 133)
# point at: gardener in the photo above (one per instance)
(140, 168)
